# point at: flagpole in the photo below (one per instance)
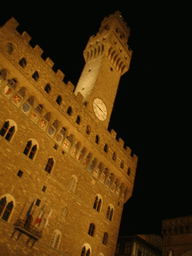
(23, 207)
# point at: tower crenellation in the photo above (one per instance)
(86, 162)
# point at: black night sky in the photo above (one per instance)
(152, 108)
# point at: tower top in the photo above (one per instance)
(116, 16)
(111, 21)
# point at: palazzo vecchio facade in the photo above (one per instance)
(64, 176)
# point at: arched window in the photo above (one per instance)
(105, 238)
(83, 252)
(56, 239)
(35, 76)
(73, 183)
(44, 120)
(8, 130)
(23, 62)
(97, 203)
(31, 149)
(59, 100)
(49, 165)
(91, 230)
(110, 212)
(7, 204)
(86, 250)
(47, 88)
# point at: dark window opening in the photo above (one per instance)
(129, 171)
(35, 76)
(78, 120)
(20, 173)
(23, 62)
(106, 148)
(88, 131)
(49, 165)
(44, 188)
(38, 202)
(27, 148)
(59, 100)
(91, 229)
(97, 139)
(105, 237)
(33, 151)
(69, 111)
(7, 211)
(47, 88)
(4, 128)
(10, 133)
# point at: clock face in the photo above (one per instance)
(100, 109)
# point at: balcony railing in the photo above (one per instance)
(27, 229)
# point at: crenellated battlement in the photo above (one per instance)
(21, 49)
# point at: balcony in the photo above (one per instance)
(29, 230)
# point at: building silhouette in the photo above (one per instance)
(177, 234)
(139, 245)
(64, 176)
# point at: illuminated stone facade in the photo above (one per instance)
(64, 176)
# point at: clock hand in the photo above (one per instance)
(100, 108)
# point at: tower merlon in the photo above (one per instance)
(113, 134)
(49, 62)
(38, 50)
(121, 142)
(70, 86)
(12, 23)
(60, 75)
(26, 37)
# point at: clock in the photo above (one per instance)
(100, 109)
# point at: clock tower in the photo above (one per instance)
(107, 56)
